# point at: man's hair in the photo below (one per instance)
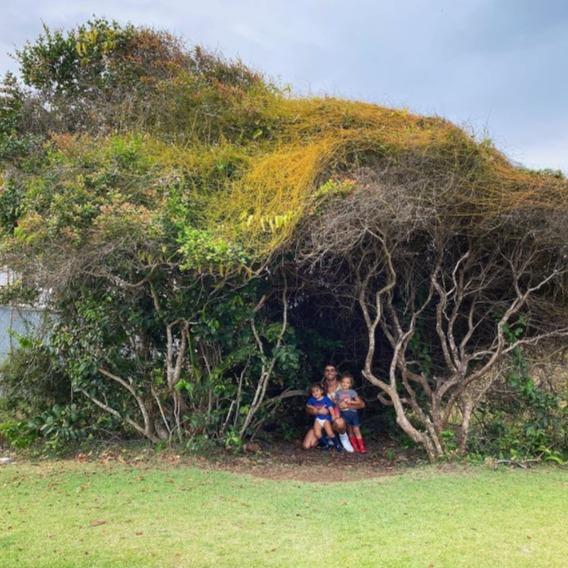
(330, 365)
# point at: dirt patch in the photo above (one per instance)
(277, 461)
(290, 461)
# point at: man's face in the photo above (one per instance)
(330, 374)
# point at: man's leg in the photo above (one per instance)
(310, 440)
(340, 427)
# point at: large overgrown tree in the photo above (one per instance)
(177, 211)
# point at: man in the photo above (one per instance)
(330, 384)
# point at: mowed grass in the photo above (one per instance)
(68, 514)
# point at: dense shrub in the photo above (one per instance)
(38, 401)
(520, 419)
(33, 380)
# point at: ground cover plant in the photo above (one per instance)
(205, 241)
(84, 514)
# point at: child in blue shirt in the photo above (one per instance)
(323, 407)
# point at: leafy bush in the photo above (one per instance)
(57, 428)
(19, 434)
(62, 426)
(32, 380)
(520, 419)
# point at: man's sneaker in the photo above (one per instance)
(346, 443)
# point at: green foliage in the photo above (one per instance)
(335, 187)
(59, 63)
(105, 76)
(232, 440)
(420, 349)
(38, 393)
(16, 140)
(62, 426)
(522, 420)
(58, 428)
(202, 251)
(240, 163)
(31, 380)
(10, 204)
(19, 434)
(390, 454)
(449, 439)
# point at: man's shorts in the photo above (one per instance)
(351, 418)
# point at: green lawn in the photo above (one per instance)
(52, 515)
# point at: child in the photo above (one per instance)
(324, 407)
(345, 398)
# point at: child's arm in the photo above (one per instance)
(357, 403)
(316, 409)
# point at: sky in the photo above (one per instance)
(496, 67)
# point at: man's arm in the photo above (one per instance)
(333, 410)
(312, 410)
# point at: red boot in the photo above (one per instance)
(354, 442)
(361, 448)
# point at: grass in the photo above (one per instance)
(68, 514)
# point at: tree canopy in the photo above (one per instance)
(184, 211)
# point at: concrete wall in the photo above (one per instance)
(19, 320)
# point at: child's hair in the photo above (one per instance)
(347, 375)
(316, 386)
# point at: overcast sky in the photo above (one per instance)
(498, 67)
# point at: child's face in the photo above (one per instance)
(317, 392)
(346, 383)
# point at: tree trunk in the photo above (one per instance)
(467, 411)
